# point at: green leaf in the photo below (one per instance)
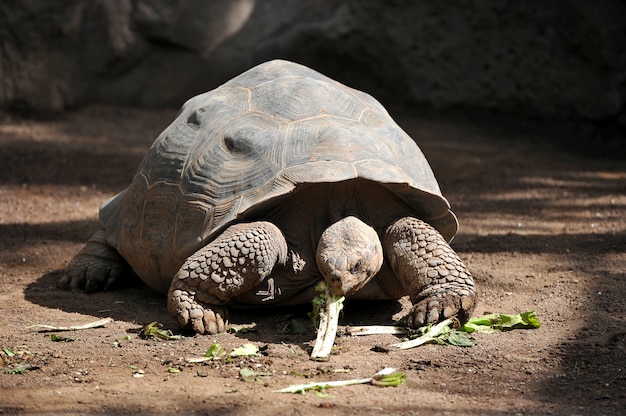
(215, 352)
(478, 328)
(502, 322)
(152, 331)
(294, 326)
(459, 339)
(173, 370)
(530, 320)
(246, 350)
(240, 329)
(8, 352)
(19, 369)
(389, 380)
(318, 303)
(22, 367)
(247, 373)
(57, 338)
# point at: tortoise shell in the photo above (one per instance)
(252, 142)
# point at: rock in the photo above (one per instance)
(551, 59)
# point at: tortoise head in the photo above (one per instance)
(349, 255)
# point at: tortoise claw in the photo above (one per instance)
(98, 266)
(195, 315)
(442, 304)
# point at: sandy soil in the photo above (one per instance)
(542, 228)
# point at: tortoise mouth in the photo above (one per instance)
(345, 283)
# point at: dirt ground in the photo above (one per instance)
(543, 227)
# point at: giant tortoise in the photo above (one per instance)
(268, 184)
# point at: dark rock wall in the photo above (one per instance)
(551, 58)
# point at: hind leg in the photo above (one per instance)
(98, 266)
(234, 263)
(436, 280)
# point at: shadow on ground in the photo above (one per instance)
(518, 195)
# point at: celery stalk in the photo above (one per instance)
(429, 336)
(384, 378)
(326, 308)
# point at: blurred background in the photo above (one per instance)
(553, 59)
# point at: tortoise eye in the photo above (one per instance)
(356, 268)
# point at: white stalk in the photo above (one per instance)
(376, 329)
(329, 322)
(427, 337)
(301, 388)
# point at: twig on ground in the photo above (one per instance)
(49, 328)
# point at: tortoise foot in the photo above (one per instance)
(98, 266)
(234, 263)
(440, 302)
(198, 316)
(439, 284)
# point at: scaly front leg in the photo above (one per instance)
(235, 262)
(436, 280)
